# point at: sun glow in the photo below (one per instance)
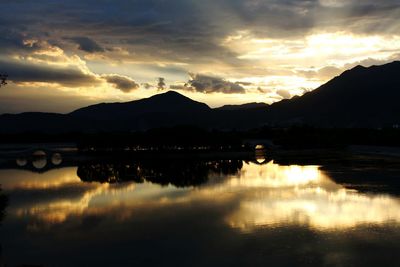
(318, 49)
(295, 64)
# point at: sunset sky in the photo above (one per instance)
(62, 55)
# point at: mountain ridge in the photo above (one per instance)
(359, 97)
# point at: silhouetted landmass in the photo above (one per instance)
(193, 138)
(179, 137)
(359, 98)
(244, 106)
(170, 102)
(3, 204)
(312, 137)
(182, 173)
(375, 178)
(37, 122)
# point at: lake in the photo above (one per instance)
(192, 212)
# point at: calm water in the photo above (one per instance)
(196, 213)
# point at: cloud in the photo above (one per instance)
(269, 40)
(64, 75)
(245, 83)
(147, 85)
(158, 27)
(334, 3)
(262, 90)
(324, 73)
(161, 84)
(285, 94)
(123, 83)
(86, 44)
(329, 72)
(156, 31)
(368, 62)
(305, 90)
(208, 84)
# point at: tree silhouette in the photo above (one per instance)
(180, 173)
(3, 79)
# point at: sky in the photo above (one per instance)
(62, 55)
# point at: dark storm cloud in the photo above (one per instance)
(12, 41)
(125, 84)
(208, 84)
(154, 29)
(193, 22)
(86, 44)
(187, 31)
(23, 72)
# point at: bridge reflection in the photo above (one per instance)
(180, 170)
(40, 160)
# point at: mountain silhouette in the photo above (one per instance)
(169, 102)
(246, 106)
(360, 97)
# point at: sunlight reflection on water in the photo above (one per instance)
(267, 194)
(237, 213)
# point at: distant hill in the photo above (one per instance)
(247, 106)
(360, 97)
(169, 102)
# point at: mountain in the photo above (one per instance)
(247, 106)
(360, 97)
(169, 102)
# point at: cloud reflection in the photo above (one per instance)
(258, 196)
(306, 196)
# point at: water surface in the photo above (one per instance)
(196, 213)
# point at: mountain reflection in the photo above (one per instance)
(182, 173)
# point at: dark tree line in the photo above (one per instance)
(180, 173)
